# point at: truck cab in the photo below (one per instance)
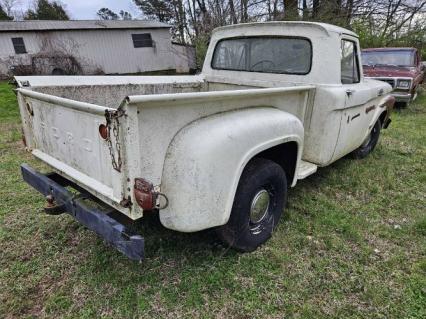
(274, 102)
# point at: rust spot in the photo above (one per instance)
(389, 103)
(29, 109)
(50, 201)
(369, 109)
(144, 194)
(126, 202)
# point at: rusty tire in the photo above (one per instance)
(250, 226)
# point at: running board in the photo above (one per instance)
(305, 169)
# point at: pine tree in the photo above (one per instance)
(45, 10)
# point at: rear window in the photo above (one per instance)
(264, 54)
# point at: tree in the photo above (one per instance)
(379, 22)
(45, 10)
(291, 9)
(124, 15)
(107, 14)
(8, 6)
(161, 10)
(3, 15)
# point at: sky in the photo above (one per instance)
(86, 9)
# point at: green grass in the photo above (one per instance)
(352, 245)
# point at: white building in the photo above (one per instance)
(90, 47)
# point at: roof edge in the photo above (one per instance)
(327, 28)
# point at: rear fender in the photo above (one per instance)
(205, 160)
(383, 112)
(386, 109)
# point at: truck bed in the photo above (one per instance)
(62, 116)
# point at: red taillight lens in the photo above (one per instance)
(103, 131)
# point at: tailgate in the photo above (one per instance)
(65, 134)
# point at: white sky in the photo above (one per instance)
(86, 9)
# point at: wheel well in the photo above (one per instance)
(284, 155)
(382, 118)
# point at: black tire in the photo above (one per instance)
(370, 143)
(242, 232)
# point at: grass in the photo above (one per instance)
(352, 245)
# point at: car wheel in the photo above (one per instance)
(369, 143)
(258, 206)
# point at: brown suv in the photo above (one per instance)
(400, 67)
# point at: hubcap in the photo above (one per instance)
(259, 206)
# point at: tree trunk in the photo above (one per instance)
(232, 12)
(315, 8)
(304, 10)
(291, 9)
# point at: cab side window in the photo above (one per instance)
(349, 63)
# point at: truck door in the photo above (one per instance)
(357, 113)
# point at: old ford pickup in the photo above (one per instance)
(400, 67)
(217, 150)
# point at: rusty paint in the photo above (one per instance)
(29, 109)
(369, 109)
(144, 194)
(126, 202)
(50, 201)
(389, 103)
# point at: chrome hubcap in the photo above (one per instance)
(259, 206)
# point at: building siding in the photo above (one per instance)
(107, 51)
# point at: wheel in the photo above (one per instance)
(258, 205)
(369, 143)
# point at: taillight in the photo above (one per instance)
(103, 131)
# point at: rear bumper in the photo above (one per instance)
(112, 231)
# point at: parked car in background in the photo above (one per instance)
(402, 68)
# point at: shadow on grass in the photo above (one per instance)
(195, 248)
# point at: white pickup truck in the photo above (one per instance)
(274, 101)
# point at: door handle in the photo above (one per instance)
(349, 92)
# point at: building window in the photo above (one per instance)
(142, 40)
(19, 45)
(349, 63)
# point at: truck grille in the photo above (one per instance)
(387, 80)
